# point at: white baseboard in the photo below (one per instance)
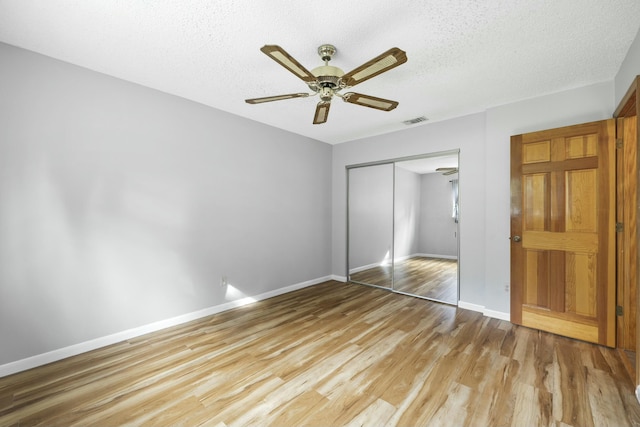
(364, 267)
(73, 350)
(485, 311)
(497, 314)
(335, 277)
(470, 306)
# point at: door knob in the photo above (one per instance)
(516, 238)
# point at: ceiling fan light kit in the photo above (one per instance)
(327, 80)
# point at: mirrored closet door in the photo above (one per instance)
(423, 259)
(371, 225)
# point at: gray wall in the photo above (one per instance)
(438, 230)
(629, 69)
(121, 205)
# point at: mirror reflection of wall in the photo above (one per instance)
(413, 203)
(371, 224)
(407, 213)
(426, 238)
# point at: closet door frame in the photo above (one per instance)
(393, 162)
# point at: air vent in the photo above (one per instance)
(416, 120)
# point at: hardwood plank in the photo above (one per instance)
(332, 354)
(572, 405)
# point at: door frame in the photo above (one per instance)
(628, 107)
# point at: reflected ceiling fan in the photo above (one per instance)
(447, 171)
(327, 80)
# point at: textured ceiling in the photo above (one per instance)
(464, 55)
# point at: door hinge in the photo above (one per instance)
(618, 310)
(619, 227)
(619, 143)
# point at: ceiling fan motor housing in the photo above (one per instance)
(326, 76)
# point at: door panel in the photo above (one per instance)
(563, 212)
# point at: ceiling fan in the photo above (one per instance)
(327, 80)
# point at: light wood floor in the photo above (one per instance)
(433, 278)
(330, 355)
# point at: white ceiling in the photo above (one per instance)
(464, 55)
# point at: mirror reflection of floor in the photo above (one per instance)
(434, 278)
(379, 276)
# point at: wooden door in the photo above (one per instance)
(563, 231)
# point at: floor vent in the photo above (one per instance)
(416, 120)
